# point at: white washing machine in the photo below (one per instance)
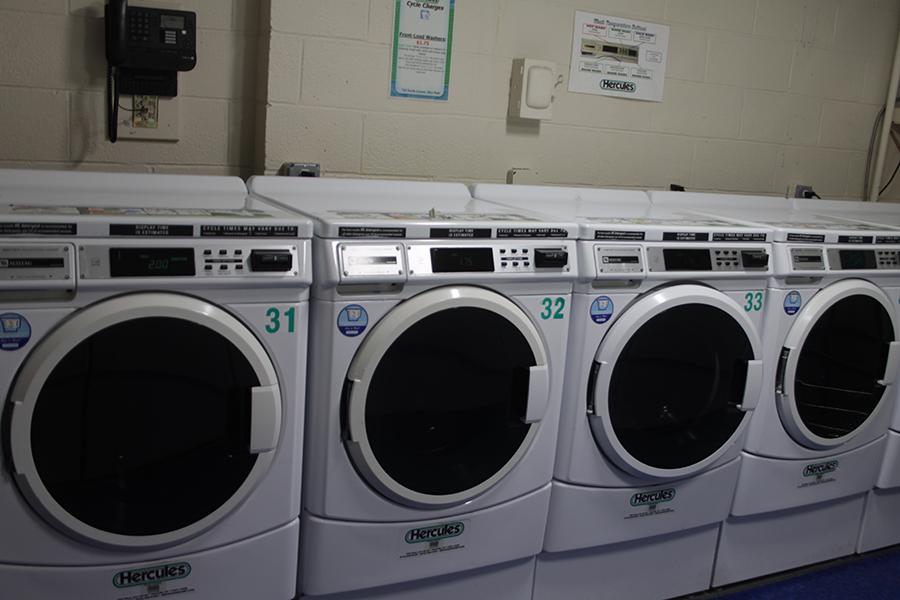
(439, 325)
(153, 344)
(817, 438)
(881, 520)
(664, 370)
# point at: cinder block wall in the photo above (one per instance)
(759, 94)
(52, 90)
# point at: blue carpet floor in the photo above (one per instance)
(874, 577)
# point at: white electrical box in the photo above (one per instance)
(531, 89)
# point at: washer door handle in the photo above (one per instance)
(265, 418)
(752, 385)
(538, 393)
(890, 367)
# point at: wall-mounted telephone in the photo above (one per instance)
(145, 49)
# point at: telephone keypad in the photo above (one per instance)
(139, 26)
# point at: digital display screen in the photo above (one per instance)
(807, 258)
(151, 262)
(687, 260)
(462, 260)
(621, 260)
(171, 22)
(858, 259)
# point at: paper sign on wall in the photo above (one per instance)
(618, 57)
(420, 62)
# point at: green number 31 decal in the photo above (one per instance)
(274, 324)
(553, 308)
(754, 301)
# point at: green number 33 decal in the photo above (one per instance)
(553, 308)
(274, 324)
(754, 301)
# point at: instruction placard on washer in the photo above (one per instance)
(15, 331)
(618, 57)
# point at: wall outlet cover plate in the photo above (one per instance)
(142, 122)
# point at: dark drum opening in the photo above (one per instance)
(445, 406)
(677, 385)
(144, 427)
(840, 363)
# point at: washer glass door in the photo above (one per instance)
(437, 399)
(137, 417)
(670, 379)
(839, 356)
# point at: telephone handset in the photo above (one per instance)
(145, 49)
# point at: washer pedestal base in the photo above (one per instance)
(509, 581)
(658, 567)
(384, 554)
(264, 566)
(881, 523)
(766, 543)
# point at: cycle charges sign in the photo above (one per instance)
(422, 41)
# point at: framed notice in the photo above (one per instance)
(618, 57)
(420, 60)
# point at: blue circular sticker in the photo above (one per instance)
(352, 320)
(792, 302)
(15, 331)
(602, 309)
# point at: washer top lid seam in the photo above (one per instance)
(378, 209)
(788, 223)
(602, 214)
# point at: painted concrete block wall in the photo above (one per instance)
(759, 94)
(52, 90)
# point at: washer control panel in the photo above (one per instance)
(717, 259)
(225, 259)
(618, 260)
(523, 257)
(853, 259)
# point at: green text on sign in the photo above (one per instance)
(754, 301)
(274, 315)
(553, 308)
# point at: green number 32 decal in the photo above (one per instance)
(274, 324)
(553, 308)
(754, 301)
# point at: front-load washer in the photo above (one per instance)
(881, 520)
(664, 369)
(817, 438)
(439, 325)
(153, 344)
